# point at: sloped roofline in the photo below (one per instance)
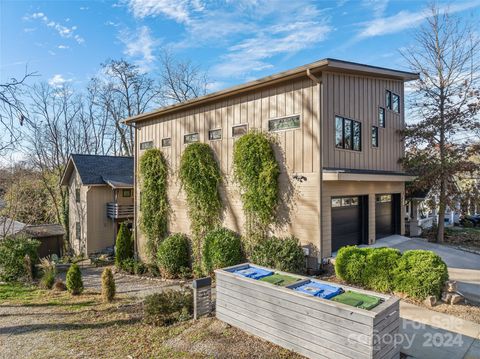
(327, 64)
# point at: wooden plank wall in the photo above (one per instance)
(308, 325)
(358, 98)
(296, 150)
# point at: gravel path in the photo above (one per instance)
(125, 284)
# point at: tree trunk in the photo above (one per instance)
(441, 213)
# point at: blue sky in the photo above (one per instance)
(234, 40)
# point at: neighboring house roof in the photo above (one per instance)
(10, 227)
(328, 64)
(44, 230)
(116, 171)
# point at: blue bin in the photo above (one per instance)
(317, 289)
(253, 272)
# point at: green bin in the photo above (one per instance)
(358, 300)
(280, 279)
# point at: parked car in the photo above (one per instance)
(470, 220)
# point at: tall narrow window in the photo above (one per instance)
(78, 230)
(374, 136)
(395, 103)
(348, 134)
(381, 117)
(77, 195)
(388, 99)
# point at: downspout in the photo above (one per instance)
(319, 82)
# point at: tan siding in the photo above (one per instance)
(358, 98)
(77, 213)
(297, 152)
(101, 230)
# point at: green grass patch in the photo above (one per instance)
(19, 292)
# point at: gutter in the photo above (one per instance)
(319, 83)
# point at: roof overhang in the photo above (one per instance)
(314, 68)
(67, 172)
(367, 177)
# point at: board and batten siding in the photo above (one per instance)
(77, 212)
(297, 151)
(101, 229)
(359, 98)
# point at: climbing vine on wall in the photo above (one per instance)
(200, 177)
(154, 206)
(256, 171)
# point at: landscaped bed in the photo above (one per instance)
(301, 318)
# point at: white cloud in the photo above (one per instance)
(58, 80)
(377, 6)
(63, 47)
(179, 10)
(140, 45)
(404, 20)
(62, 30)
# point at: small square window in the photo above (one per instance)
(127, 193)
(381, 117)
(166, 142)
(191, 138)
(77, 195)
(239, 130)
(215, 134)
(146, 145)
(336, 202)
(374, 136)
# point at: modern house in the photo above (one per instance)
(337, 126)
(100, 198)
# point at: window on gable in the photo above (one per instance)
(348, 134)
(191, 138)
(215, 134)
(77, 195)
(381, 117)
(374, 136)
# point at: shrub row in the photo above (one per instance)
(417, 273)
(284, 254)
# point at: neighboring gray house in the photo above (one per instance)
(100, 198)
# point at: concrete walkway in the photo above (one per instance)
(464, 267)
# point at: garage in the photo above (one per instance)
(349, 221)
(387, 215)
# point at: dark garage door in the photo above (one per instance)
(348, 221)
(387, 215)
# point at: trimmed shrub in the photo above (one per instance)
(108, 285)
(74, 280)
(351, 264)
(49, 272)
(13, 266)
(221, 248)
(168, 307)
(123, 245)
(381, 263)
(420, 273)
(173, 255)
(282, 254)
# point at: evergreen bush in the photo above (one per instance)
(12, 258)
(381, 263)
(420, 274)
(351, 264)
(74, 280)
(154, 206)
(108, 285)
(221, 248)
(168, 307)
(173, 255)
(123, 245)
(285, 254)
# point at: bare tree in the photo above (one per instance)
(180, 80)
(445, 106)
(12, 110)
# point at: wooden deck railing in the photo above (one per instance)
(117, 211)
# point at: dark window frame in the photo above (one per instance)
(215, 130)
(375, 137)
(239, 126)
(78, 230)
(389, 95)
(187, 135)
(127, 190)
(285, 118)
(349, 142)
(345, 201)
(146, 145)
(381, 117)
(166, 139)
(77, 195)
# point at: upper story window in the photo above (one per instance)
(239, 130)
(383, 198)
(166, 142)
(146, 145)
(191, 138)
(348, 134)
(381, 117)
(78, 230)
(374, 136)
(77, 195)
(392, 101)
(127, 193)
(215, 134)
(284, 123)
